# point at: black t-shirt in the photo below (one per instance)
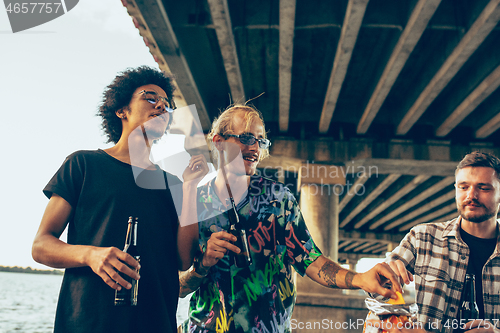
(103, 193)
(480, 251)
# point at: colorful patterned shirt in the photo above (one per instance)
(261, 297)
(438, 257)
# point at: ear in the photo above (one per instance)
(121, 113)
(218, 140)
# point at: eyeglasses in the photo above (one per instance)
(249, 140)
(153, 98)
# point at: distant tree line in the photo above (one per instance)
(17, 269)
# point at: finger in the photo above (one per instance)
(227, 246)
(129, 260)
(116, 281)
(224, 235)
(386, 271)
(400, 269)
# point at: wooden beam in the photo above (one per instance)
(344, 243)
(354, 235)
(356, 256)
(321, 174)
(421, 210)
(352, 246)
(286, 33)
(470, 103)
(376, 248)
(484, 24)
(414, 29)
(164, 47)
(367, 244)
(405, 167)
(352, 22)
(489, 128)
(224, 31)
(431, 216)
(445, 218)
(352, 191)
(395, 197)
(416, 200)
(388, 181)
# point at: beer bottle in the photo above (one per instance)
(243, 258)
(468, 309)
(128, 297)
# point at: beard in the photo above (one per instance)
(476, 217)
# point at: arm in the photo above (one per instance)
(187, 234)
(217, 246)
(49, 250)
(330, 274)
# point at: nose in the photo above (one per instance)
(255, 146)
(161, 105)
(472, 193)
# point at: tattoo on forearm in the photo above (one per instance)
(329, 271)
(188, 283)
(348, 279)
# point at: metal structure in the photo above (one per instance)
(404, 86)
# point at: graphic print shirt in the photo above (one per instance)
(259, 298)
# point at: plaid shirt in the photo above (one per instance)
(438, 257)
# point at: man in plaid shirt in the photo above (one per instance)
(438, 255)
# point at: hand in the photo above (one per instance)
(400, 269)
(372, 281)
(217, 246)
(108, 261)
(196, 169)
(480, 325)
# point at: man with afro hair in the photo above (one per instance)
(95, 191)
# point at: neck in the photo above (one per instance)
(486, 229)
(132, 149)
(238, 185)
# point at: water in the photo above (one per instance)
(28, 302)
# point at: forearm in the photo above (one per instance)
(190, 281)
(187, 234)
(53, 252)
(330, 274)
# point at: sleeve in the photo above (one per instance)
(67, 181)
(405, 251)
(301, 249)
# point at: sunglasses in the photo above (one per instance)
(249, 140)
(153, 98)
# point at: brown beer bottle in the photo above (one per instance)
(128, 297)
(468, 308)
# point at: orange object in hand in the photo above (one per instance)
(399, 300)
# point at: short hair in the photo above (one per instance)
(223, 125)
(119, 93)
(480, 159)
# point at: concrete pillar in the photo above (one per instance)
(319, 205)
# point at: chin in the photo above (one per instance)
(477, 218)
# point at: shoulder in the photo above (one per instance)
(435, 229)
(84, 155)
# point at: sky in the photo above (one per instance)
(51, 80)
